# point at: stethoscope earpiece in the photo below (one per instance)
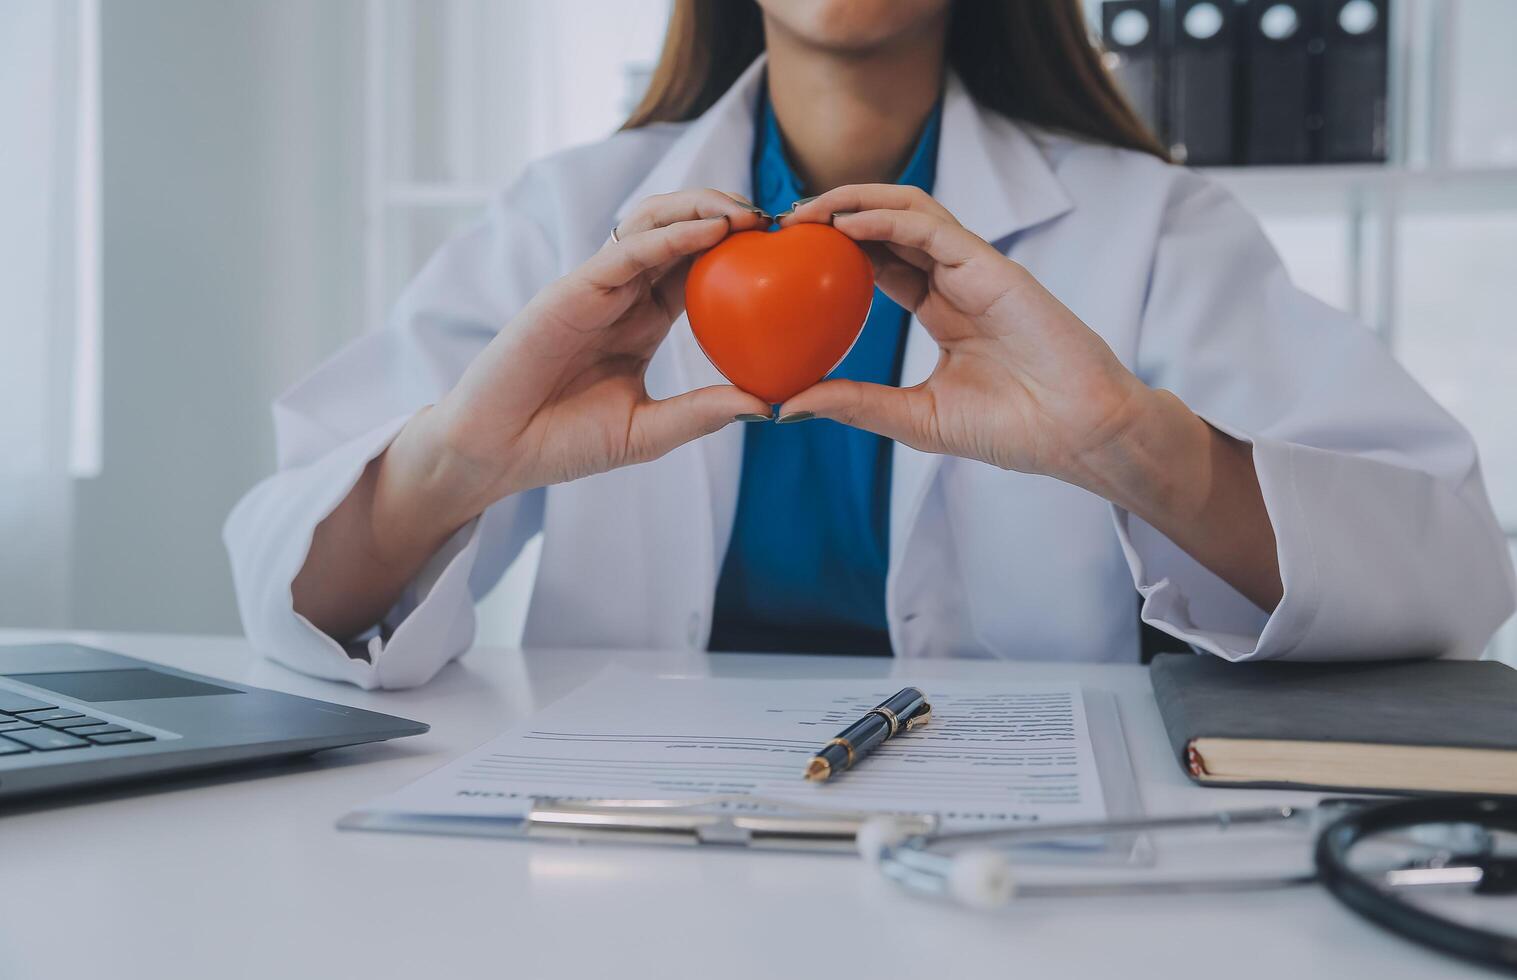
(877, 835)
(981, 879)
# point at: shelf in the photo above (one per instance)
(1306, 189)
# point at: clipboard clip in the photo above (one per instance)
(727, 820)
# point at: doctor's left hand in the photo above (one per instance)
(559, 393)
(556, 395)
(1020, 383)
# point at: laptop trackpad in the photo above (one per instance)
(135, 684)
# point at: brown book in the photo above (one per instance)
(1421, 726)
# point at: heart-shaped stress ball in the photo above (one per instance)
(775, 311)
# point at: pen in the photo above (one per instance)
(901, 712)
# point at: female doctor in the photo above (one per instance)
(1087, 372)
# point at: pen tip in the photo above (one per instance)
(818, 770)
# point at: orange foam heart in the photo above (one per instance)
(776, 311)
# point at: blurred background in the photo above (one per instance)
(202, 199)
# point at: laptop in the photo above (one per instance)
(72, 717)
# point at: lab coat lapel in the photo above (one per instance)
(714, 151)
(992, 176)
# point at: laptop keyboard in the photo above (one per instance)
(30, 725)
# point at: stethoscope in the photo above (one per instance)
(975, 868)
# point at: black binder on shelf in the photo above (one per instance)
(1131, 32)
(1202, 81)
(1281, 55)
(1256, 82)
(1355, 66)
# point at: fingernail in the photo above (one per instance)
(750, 417)
(795, 417)
(791, 210)
(749, 206)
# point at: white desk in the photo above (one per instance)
(222, 876)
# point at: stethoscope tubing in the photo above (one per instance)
(915, 864)
(927, 872)
(1218, 820)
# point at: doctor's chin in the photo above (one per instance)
(647, 392)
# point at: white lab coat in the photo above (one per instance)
(1387, 542)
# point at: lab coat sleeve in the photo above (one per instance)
(331, 425)
(1386, 539)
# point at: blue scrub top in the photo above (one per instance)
(810, 547)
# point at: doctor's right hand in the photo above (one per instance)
(558, 394)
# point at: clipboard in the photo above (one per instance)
(732, 820)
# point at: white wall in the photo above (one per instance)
(232, 257)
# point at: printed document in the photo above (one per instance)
(992, 754)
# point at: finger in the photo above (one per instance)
(669, 287)
(666, 209)
(902, 282)
(917, 258)
(867, 197)
(618, 263)
(881, 409)
(666, 424)
(945, 242)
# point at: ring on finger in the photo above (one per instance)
(615, 236)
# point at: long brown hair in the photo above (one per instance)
(1029, 60)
